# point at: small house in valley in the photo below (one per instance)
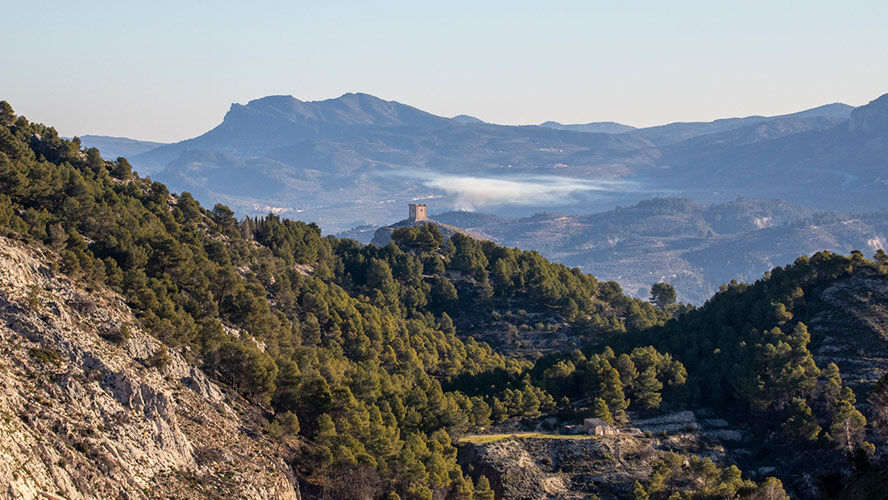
(599, 427)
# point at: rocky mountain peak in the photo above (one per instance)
(346, 110)
(871, 119)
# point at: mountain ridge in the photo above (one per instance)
(355, 159)
(279, 120)
(352, 109)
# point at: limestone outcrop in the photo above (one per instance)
(84, 415)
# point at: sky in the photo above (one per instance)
(168, 71)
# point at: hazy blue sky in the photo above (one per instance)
(169, 70)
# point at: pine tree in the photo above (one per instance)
(832, 385)
(122, 169)
(878, 400)
(611, 390)
(445, 324)
(663, 295)
(482, 489)
(647, 391)
(443, 294)
(600, 410)
(627, 369)
(639, 492)
(801, 423)
(780, 313)
(7, 115)
(530, 403)
(480, 412)
(289, 424)
(498, 411)
(771, 489)
(847, 429)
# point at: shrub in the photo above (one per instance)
(159, 359)
(46, 356)
(117, 336)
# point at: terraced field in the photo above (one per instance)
(492, 438)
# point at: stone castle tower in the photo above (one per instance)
(418, 212)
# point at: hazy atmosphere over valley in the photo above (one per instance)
(497, 251)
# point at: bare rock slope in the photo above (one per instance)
(542, 469)
(851, 329)
(87, 411)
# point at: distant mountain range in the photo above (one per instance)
(673, 133)
(597, 127)
(692, 246)
(357, 160)
(114, 147)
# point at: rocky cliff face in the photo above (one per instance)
(870, 119)
(544, 469)
(89, 410)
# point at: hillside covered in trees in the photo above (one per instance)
(769, 354)
(347, 345)
(365, 358)
(695, 247)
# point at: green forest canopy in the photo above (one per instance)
(355, 347)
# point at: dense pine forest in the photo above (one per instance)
(363, 357)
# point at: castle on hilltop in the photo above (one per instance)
(418, 212)
(417, 216)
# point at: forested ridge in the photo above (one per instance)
(748, 355)
(357, 351)
(748, 352)
(347, 345)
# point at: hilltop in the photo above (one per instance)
(383, 235)
(596, 127)
(113, 147)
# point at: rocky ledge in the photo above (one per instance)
(88, 412)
